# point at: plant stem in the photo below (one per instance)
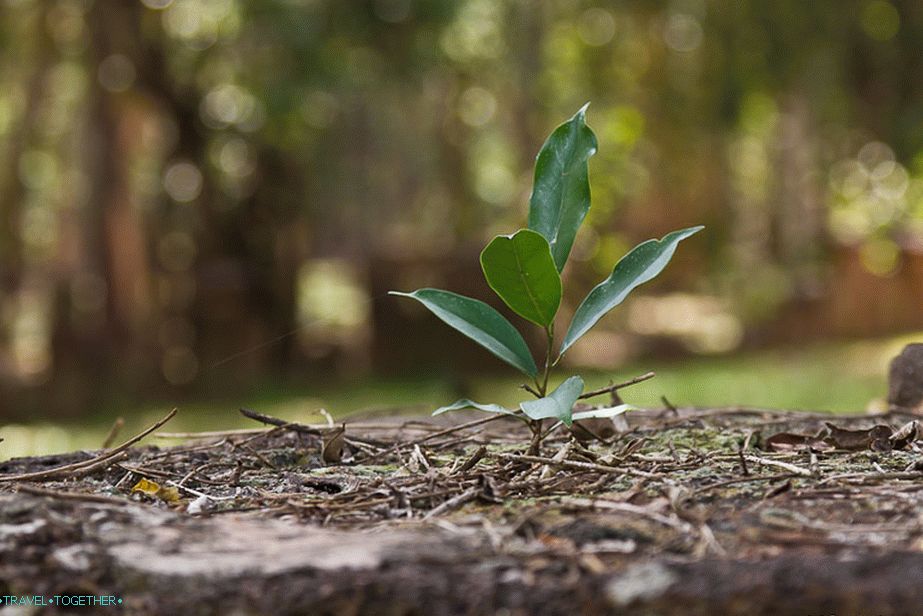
(535, 425)
(549, 332)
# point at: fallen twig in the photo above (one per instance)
(611, 388)
(211, 433)
(423, 439)
(793, 468)
(749, 478)
(583, 466)
(74, 496)
(101, 461)
(474, 459)
(113, 432)
(281, 423)
(453, 503)
(873, 476)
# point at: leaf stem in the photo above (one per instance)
(530, 389)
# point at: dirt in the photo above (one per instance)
(688, 511)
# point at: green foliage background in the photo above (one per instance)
(195, 194)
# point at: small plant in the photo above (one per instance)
(524, 270)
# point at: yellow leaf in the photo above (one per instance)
(168, 494)
(146, 486)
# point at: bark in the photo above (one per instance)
(161, 562)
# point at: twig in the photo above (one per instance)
(256, 454)
(208, 465)
(200, 494)
(611, 388)
(470, 462)
(453, 503)
(669, 405)
(148, 472)
(281, 423)
(75, 496)
(98, 465)
(874, 476)
(113, 432)
(728, 482)
(257, 431)
(747, 440)
(211, 434)
(423, 439)
(743, 462)
(798, 470)
(102, 460)
(580, 466)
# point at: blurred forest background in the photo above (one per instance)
(200, 197)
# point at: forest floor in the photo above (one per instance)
(666, 511)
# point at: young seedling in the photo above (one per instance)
(524, 270)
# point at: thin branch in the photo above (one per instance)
(453, 503)
(281, 423)
(611, 388)
(792, 468)
(73, 496)
(580, 466)
(473, 460)
(97, 462)
(113, 432)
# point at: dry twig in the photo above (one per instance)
(95, 463)
(613, 388)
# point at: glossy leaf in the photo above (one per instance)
(465, 403)
(603, 413)
(481, 323)
(561, 188)
(559, 404)
(643, 263)
(519, 268)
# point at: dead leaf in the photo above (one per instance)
(153, 489)
(881, 445)
(905, 435)
(334, 440)
(595, 428)
(858, 439)
(145, 486)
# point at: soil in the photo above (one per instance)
(677, 511)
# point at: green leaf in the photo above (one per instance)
(561, 189)
(604, 413)
(481, 323)
(643, 263)
(519, 268)
(559, 404)
(465, 403)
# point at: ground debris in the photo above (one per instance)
(877, 438)
(660, 517)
